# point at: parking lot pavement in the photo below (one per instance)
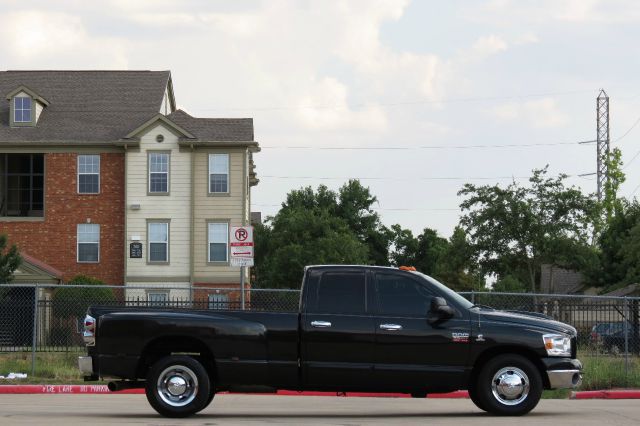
(308, 410)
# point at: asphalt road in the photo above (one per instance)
(307, 410)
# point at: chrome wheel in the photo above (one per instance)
(177, 385)
(510, 386)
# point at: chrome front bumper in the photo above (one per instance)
(85, 364)
(564, 379)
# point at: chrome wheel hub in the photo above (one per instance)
(177, 385)
(510, 386)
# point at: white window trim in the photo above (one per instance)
(167, 172)
(16, 109)
(78, 174)
(211, 173)
(166, 243)
(78, 244)
(209, 260)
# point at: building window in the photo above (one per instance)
(158, 241)
(158, 298)
(218, 173)
(22, 187)
(88, 242)
(218, 242)
(22, 109)
(88, 174)
(218, 301)
(159, 172)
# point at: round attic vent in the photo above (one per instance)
(159, 138)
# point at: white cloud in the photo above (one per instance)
(33, 36)
(489, 45)
(325, 106)
(539, 113)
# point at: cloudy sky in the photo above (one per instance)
(413, 97)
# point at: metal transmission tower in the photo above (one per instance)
(602, 112)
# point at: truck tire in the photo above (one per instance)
(473, 395)
(508, 385)
(178, 386)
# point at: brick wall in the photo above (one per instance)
(54, 240)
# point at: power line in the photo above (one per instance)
(403, 178)
(378, 208)
(402, 103)
(631, 161)
(634, 191)
(628, 131)
(392, 148)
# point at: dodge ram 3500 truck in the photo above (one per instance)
(358, 329)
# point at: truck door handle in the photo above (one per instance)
(391, 327)
(320, 324)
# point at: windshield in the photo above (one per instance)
(446, 290)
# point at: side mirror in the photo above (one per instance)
(439, 310)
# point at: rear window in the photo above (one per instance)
(340, 293)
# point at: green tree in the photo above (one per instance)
(618, 244)
(456, 266)
(514, 230)
(615, 178)
(509, 284)
(354, 205)
(10, 259)
(307, 230)
(72, 302)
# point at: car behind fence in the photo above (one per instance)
(44, 318)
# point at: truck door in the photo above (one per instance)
(412, 354)
(337, 330)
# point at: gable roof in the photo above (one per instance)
(84, 106)
(29, 92)
(183, 133)
(214, 129)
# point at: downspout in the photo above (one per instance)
(191, 230)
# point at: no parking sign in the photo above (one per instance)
(241, 244)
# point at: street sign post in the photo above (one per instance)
(241, 248)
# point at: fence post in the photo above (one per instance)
(473, 296)
(34, 339)
(625, 330)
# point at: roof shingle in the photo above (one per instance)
(84, 106)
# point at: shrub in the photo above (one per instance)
(72, 302)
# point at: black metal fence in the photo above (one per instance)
(40, 318)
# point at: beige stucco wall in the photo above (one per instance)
(174, 207)
(229, 208)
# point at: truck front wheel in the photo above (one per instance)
(508, 385)
(178, 386)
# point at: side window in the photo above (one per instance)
(402, 296)
(341, 293)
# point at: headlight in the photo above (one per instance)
(557, 344)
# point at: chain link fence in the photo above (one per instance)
(41, 318)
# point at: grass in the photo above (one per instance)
(51, 367)
(601, 372)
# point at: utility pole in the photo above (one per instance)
(602, 114)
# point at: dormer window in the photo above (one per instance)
(25, 107)
(22, 109)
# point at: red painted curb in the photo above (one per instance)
(607, 394)
(102, 389)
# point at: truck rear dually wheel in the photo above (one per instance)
(508, 385)
(178, 386)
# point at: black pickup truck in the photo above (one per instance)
(358, 329)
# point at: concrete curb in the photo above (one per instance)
(102, 389)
